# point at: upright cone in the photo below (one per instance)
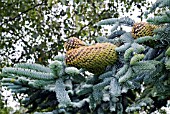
(93, 58)
(142, 29)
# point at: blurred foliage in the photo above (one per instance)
(3, 110)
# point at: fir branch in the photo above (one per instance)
(159, 19)
(127, 38)
(136, 58)
(167, 13)
(143, 66)
(69, 84)
(86, 89)
(109, 90)
(61, 94)
(97, 90)
(80, 103)
(92, 79)
(115, 26)
(72, 71)
(128, 54)
(116, 41)
(97, 96)
(163, 36)
(126, 21)
(11, 80)
(165, 3)
(59, 57)
(101, 39)
(116, 34)
(30, 99)
(112, 105)
(123, 48)
(115, 88)
(167, 64)
(154, 6)
(106, 75)
(167, 53)
(122, 71)
(119, 108)
(28, 73)
(57, 68)
(144, 39)
(78, 78)
(13, 87)
(7, 84)
(37, 67)
(138, 48)
(49, 87)
(23, 80)
(151, 53)
(132, 84)
(139, 104)
(153, 76)
(101, 85)
(106, 96)
(127, 76)
(39, 83)
(107, 21)
(92, 103)
(21, 90)
(160, 56)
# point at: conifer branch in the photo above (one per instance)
(28, 73)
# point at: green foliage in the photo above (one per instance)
(136, 58)
(3, 109)
(139, 79)
(159, 4)
(116, 22)
(36, 67)
(167, 53)
(126, 76)
(140, 103)
(57, 68)
(61, 94)
(167, 64)
(40, 27)
(128, 54)
(123, 47)
(160, 19)
(122, 70)
(29, 73)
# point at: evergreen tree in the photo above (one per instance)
(136, 77)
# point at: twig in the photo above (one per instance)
(18, 16)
